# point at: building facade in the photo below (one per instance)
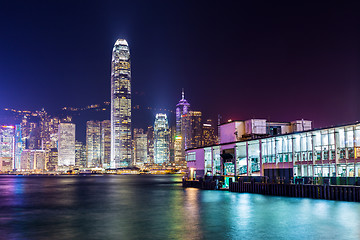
(93, 143)
(98, 143)
(120, 105)
(182, 108)
(80, 155)
(105, 146)
(33, 161)
(150, 144)
(332, 152)
(66, 145)
(18, 147)
(140, 147)
(52, 164)
(192, 129)
(161, 139)
(208, 133)
(7, 148)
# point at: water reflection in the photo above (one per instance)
(192, 216)
(156, 207)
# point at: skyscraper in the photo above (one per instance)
(208, 135)
(182, 108)
(105, 143)
(120, 105)
(98, 143)
(192, 129)
(66, 145)
(150, 144)
(39, 159)
(93, 140)
(53, 160)
(80, 155)
(140, 147)
(18, 147)
(161, 139)
(172, 143)
(33, 160)
(7, 138)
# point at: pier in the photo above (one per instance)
(325, 191)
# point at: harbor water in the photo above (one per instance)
(157, 207)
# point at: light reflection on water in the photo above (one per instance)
(156, 207)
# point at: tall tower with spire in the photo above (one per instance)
(120, 105)
(182, 109)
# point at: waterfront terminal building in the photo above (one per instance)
(280, 150)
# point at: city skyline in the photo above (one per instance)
(179, 119)
(265, 52)
(189, 122)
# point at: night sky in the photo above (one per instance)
(241, 59)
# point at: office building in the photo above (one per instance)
(172, 143)
(7, 151)
(33, 160)
(120, 105)
(208, 133)
(93, 143)
(66, 145)
(140, 147)
(18, 147)
(192, 129)
(150, 144)
(98, 143)
(52, 164)
(182, 108)
(178, 152)
(105, 146)
(26, 128)
(80, 155)
(161, 139)
(26, 161)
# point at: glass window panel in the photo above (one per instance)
(241, 162)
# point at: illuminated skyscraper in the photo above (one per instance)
(105, 143)
(140, 147)
(33, 160)
(25, 163)
(172, 143)
(120, 105)
(7, 138)
(161, 139)
(192, 129)
(18, 146)
(93, 140)
(53, 160)
(208, 135)
(150, 144)
(182, 108)
(80, 155)
(66, 145)
(98, 143)
(39, 159)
